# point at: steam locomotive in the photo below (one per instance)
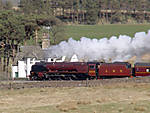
(86, 70)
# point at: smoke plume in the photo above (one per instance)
(115, 48)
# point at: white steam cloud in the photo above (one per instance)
(116, 49)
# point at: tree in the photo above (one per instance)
(34, 10)
(83, 8)
(30, 27)
(11, 34)
(92, 12)
(142, 4)
(1, 5)
(55, 28)
(8, 5)
(36, 7)
(26, 6)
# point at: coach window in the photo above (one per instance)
(147, 70)
(128, 66)
(137, 69)
(92, 67)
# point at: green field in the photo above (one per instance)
(101, 31)
(97, 31)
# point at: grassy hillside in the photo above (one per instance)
(100, 31)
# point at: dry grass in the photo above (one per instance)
(103, 100)
(140, 108)
(83, 102)
(66, 106)
(127, 98)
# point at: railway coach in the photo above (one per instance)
(141, 69)
(116, 69)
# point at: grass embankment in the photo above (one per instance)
(101, 31)
(98, 31)
(125, 98)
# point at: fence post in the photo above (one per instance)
(10, 86)
(87, 84)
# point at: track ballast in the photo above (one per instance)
(84, 83)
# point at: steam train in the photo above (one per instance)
(86, 70)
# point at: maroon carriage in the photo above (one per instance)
(142, 69)
(117, 69)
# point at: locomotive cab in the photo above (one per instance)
(92, 70)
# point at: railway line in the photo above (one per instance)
(84, 83)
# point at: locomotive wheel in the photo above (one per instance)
(35, 78)
(59, 78)
(71, 78)
(31, 78)
(49, 78)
